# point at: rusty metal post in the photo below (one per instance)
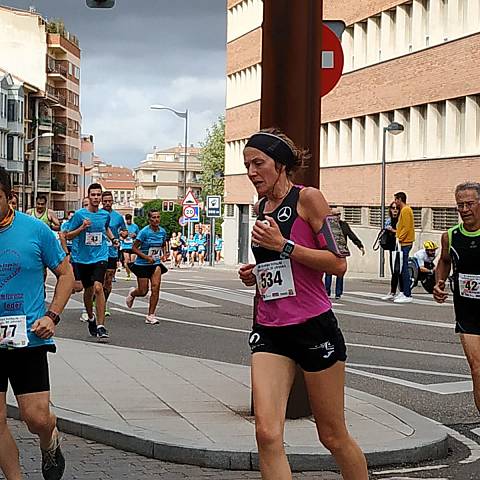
(291, 70)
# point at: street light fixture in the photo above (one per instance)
(183, 115)
(394, 128)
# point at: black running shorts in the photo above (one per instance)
(91, 273)
(25, 368)
(146, 271)
(112, 263)
(315, 345)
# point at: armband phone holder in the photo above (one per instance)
(331, 237)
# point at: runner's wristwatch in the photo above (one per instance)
(287, 249)
(54, 316)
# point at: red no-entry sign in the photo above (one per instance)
(332, 61)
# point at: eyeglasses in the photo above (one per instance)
(467, 205)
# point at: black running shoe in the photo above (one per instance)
(92, 327)
(102, 332)
(53, 463)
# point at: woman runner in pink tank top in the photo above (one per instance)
(294, 321)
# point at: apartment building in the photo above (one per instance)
(161, 175)
(413, 62)
(43, 157)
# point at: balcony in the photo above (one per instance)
(44, 183)
(59, 158)
(60, 128)
(44, 151)
(45, 123)
(56, 68)
(58, 186)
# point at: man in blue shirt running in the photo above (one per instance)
(89, 229)
(27, 327)
(118, 227)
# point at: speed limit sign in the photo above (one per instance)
(191, 213)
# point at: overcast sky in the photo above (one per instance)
(143, 52)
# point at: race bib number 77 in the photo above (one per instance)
(13, 331)
(469, 285)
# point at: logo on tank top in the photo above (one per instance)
(284, 214)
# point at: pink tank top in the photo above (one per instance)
(311, 298)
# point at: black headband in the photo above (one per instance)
(273, 146)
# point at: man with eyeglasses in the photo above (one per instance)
(461, 250)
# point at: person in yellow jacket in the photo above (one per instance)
(405, 236)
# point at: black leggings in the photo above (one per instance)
(396, 270)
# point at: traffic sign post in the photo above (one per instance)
(214, 206)
(182, 221)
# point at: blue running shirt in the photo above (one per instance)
(117, 224)
(91, 245)
(151, 243)
(26, 248)
(127, 243)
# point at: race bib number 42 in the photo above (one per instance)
(13, 331)
(275, 279)
(93, 239)
(469, 285)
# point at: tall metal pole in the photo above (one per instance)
(35, 146)
(185, 157)
(212, 242)
(382, 213)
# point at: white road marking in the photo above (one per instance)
(168, 297)
(476, 431)
(410, 370)
(171, 320)
(387, 318)
(439, 388)
(417, 301)
(229, 296)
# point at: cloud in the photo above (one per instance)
(140, 53)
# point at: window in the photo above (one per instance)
(154, 178)
(229, 210)
(76, 72)
(353, 215)
(9, 147)
(444, 218)
(70, 68)
(12, 110)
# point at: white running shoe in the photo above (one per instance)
(84, 316)
(390, 296)
(129, 299)
(151, 320)
(401, 298)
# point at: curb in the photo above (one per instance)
(429, 442)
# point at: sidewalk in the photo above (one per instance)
(195, 411)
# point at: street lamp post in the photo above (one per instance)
(394, 128)
(183, 115)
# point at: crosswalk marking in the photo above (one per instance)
(228, 296)
(416, 300)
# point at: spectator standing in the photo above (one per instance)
(348, 234)
(395, 267)
(405, 236)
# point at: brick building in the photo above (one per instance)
(413, 62)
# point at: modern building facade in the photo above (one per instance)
(161, 175)
(45, 68)
(413, 62)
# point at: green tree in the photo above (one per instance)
(213, 159)
(168, 220)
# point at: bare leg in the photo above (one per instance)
(326, 393)
(9, 457)
(272, 379)
(471, 347)
(88, 301)
(107, 284)
(99, 302)
(155, 282)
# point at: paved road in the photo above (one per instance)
(408, 354)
